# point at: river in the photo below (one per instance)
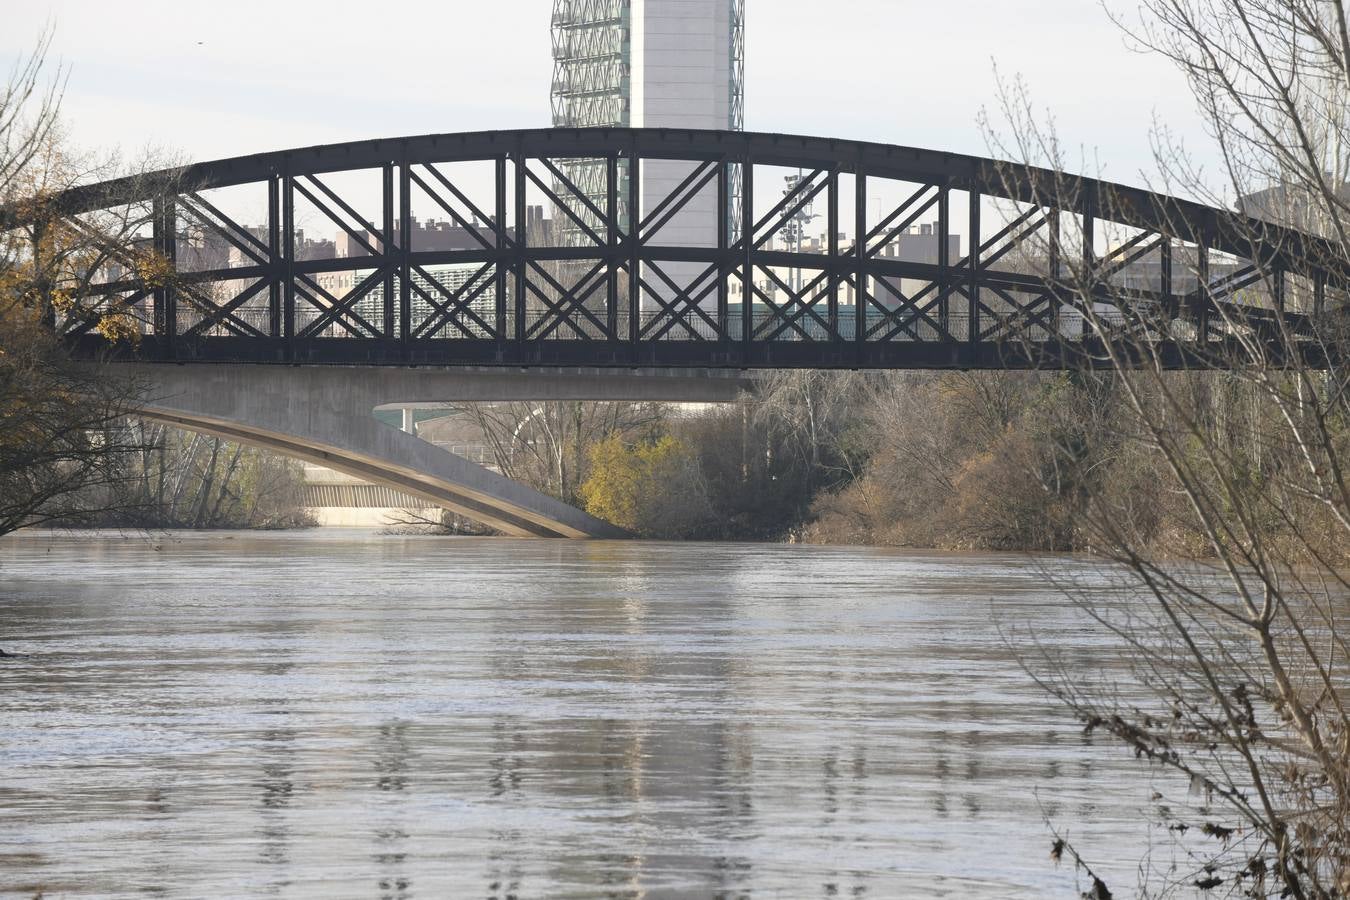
(330, 713)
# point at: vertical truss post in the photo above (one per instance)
(1089, 256)
(944, 229)
(1319, 293)
(405, 257)
(35, 236)
(723, 244)
(1202, 272)
(499, 240)
(1054, 249)
(612, 245)
(274, 262)
(973, 269)
(388, 249)
(832, 221)
(634, 247)
(748, 262)
(1052, 269)
(165, 237)
(1277, 288)
(1165, 276)
(520, 163)
(157, 236)
(171, 254)
(288, 248)
(860, 260)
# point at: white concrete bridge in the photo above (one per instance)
(323, 415)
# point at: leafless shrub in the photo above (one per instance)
(1238, 666)
(545, 445)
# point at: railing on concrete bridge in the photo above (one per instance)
(925, 258)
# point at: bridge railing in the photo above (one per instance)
(766, 326)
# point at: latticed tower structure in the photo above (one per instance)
(591, 71)
(647, 63)
(591, 63)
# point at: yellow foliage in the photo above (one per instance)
(153, 269)
(52, 274)
(652, 488)
(610, 492)
(119, 327)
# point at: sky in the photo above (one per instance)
(205, 80)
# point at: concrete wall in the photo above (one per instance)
(336, 500)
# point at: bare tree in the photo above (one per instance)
(178, 479)
(813, 412)
(1239, 666)
(546, 444)
(62, 439)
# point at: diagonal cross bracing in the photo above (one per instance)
(651, 295)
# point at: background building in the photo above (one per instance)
(651, 64)
(436, 281)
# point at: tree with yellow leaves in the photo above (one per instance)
(652, 488)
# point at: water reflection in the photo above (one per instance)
(653, 768)
(424, 717)
(392, 754)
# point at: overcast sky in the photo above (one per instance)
(204, 80)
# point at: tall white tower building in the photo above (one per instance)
(686, 64)
(652, 64)
(649, 63)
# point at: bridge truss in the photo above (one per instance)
(926, 259)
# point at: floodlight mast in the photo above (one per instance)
(795, 228)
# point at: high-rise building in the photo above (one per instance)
(651, 64)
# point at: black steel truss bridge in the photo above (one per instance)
(915, 258)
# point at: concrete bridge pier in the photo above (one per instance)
(323, 415)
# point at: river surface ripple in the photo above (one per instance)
(344, 714)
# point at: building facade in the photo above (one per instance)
(651, 64)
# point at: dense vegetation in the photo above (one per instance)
(177, 479)
(955, 460)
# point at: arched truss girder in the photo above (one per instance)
(613, 301)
